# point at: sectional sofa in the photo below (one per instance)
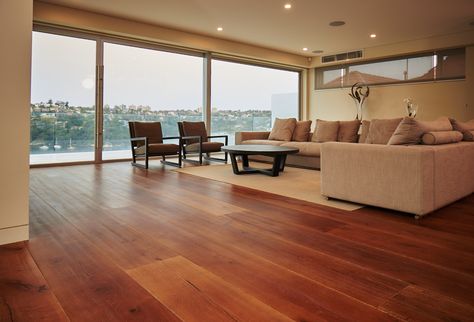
(388, 167)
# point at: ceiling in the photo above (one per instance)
(266, 23)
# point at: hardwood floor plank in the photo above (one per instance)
(398, 267)
(195, 294)
(458, 261)
(24, 293)
(251, 271)
(88, 285)
(416, 303)
(244, 252)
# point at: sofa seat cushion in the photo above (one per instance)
(206, 147)
(310, 149)
(158, 148)
(264, 142)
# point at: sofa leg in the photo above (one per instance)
(327, 198)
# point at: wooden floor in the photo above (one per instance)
(116, 243)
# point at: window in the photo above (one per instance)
(442, 65)
(147, 85)
(248, 97)
(140, 82)
(62, 99)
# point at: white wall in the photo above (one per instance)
(15, 64)
(449, 98)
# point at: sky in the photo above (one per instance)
(63, 68)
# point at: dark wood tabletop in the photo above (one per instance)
(259, 149)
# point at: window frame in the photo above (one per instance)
(318, 71)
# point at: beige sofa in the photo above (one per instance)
(416, 179)
(307, 157)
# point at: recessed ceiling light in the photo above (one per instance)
(318, 51)
(220, 28)
(337, 23)
(373, 35)
(287, 6)
(305, 49)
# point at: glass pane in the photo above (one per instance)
(421, 68)
(62, 99)
(249, 98)
(147, 85)
(332, 78)
(451, 64)
(377, 73)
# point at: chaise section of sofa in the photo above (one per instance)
(415, 179)
(307, 157)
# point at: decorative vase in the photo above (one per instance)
(359, 92)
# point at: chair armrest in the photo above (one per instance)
(251, 135)
(171, 137)
(190, 137)
(139, 139)
(226, 137)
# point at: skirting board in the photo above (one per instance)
(14, 234)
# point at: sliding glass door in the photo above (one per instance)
(147, 85)
(62, 99)
(140, 82)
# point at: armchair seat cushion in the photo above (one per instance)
(158, 149)
(206, 147)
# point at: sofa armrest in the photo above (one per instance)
(244, 136)
(394, 177)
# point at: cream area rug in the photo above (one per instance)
(295, 183)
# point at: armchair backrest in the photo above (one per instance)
(150, 130)
(193, 129)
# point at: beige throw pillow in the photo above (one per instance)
(380, 131)
(408, 132)
(282, 129)
(364, 131)
(301, 132)
(348, 131)
(442, 137)
(465, 128)
(325, 131)
(441, 124)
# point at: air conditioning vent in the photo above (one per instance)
(342, 56)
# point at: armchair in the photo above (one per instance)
(146, 140)
(194, 140)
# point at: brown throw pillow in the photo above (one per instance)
(408, 132)
(282, 129)
(380, 131)
(465, 128)
(364, 130)
(348, 131)
(442, 137)
(325, 131)
(301, 133)
(441, 124)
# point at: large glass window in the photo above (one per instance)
(62, 99)
(248, 97)
(147, 85)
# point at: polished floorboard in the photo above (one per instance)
(116, 243)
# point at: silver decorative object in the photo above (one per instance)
(412, 108)
(359, 92)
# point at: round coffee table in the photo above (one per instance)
(278, 153)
